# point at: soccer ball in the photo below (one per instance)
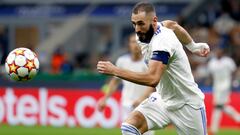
(22, 64)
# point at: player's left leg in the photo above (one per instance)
(232, 112)
(223, 98)
(189, 121)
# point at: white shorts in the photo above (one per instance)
(221, 97)
(187, 120)
(126, 110)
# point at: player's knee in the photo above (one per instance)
(220, 107)
(137, 120)
(128, 129)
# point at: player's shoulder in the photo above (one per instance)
(123, 57)
(212, 60)
(163, 37)
(122, 60)
(163, 32)
(227, 58)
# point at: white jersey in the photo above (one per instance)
(221, 70)
(177, 86)
(131, 91)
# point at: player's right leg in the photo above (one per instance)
(135, 124)
(126, 111)
(216, 118)
(150, 114)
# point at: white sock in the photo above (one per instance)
(232, 113)
(215, 121)
(128, 129)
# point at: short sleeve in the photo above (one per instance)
(160, 43)
(118, 62)
(209, 67)
(232, 65)
(121, 61)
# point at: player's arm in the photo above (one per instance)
(145, 95)
(201, 49)
(151, 77)
(182, 35)
(108, 90)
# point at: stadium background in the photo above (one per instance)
(71, 36)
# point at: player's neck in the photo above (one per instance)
(136, 57)
(220, 56)
(155, 28)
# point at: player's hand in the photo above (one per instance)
(203, 49)
(106, 67)
(101, 104)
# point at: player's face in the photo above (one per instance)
(133, 47)
(143, 26)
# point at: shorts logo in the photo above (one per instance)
(152, 99)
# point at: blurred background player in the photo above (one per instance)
(132, 94)
(222, 68)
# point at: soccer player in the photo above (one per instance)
(221, 67)
(132, 94)
(178, 99)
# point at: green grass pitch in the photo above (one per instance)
(38, 130)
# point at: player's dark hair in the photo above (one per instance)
(143, 7)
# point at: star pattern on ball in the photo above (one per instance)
(22, 64)
(30, 65)
(19, 52)
(13, 68)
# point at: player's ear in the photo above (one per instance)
(154, 21)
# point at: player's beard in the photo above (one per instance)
(147, 36)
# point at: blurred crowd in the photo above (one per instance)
(219, 26)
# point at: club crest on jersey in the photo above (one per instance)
(158, 30)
